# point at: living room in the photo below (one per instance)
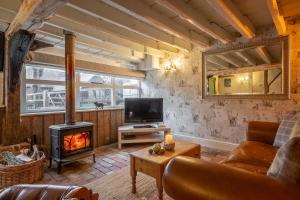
(149, 99)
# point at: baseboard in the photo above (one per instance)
(214, 144)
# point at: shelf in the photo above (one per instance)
(144, 139)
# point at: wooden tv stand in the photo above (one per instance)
(141, 135)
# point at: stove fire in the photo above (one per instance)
(76, 141)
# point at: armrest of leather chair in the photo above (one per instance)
(36, 191)
(191, 178)
(262, 131)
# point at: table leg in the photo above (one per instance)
(133, 174)
(159, 184)
(119, 140)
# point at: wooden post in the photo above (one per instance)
(70, 76)
(266, 83)
(15, 52)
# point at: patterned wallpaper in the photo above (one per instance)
(188, 114)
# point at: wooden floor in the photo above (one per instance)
(108, 160)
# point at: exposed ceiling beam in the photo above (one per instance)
(246, 69)
(108, 29)
(32, 14)
(240, 22)
(230, 59)
(9, 8)
(213, 66)
(264, 54)
(108, 13)
(59, 51)
(86, 65)
(187, 13)
(277, 18)
(232, 14)
(218, 61)
(246, 57)
(129, 54)
(149, 15)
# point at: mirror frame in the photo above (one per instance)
(284, 40)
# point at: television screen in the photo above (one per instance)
(141, 110)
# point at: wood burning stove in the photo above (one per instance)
(70, 142)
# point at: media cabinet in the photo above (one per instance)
(141, 135)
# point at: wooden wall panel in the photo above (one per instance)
(106, 124)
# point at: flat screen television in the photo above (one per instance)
(143, 110)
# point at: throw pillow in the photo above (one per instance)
(296, 130)
(285, 128)
(286, 164)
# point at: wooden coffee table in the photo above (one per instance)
(154, 165)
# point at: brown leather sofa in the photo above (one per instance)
(46, 192)
(242, 176)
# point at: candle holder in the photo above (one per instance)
(169, 147)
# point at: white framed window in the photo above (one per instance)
(43, 89)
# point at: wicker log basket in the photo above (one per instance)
(28, 172)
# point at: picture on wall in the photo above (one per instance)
(227, 82)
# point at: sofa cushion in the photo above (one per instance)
(286, 127)
(286, 164)
(252, 156)
(254, 153)
(296, 130)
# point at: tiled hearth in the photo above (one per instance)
(108, 160)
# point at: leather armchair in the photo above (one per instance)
(191, 178)
(46, 192)
(264, 132)
(242, 176)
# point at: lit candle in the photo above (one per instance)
(169, 139)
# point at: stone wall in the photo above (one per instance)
(223, 120)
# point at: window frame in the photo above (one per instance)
(78, 84)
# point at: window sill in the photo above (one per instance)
(79, 110)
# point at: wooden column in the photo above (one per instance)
(266, 83)
(15, 52)
(70, 76)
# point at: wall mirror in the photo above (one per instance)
(258, 69)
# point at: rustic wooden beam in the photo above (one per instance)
(32, 14)
(218, 61)
(277, 18)
(2, 45)
(196, 19)
(246, 69)
(264, 54)
(85, 65)
(230, 59)
(137, 7)
(246, 57)
(101, 10)
(232, 14)
(266, 84)
(36, 45)
(15, 52)
(7, 13)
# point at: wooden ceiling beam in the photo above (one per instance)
(121, 35)
(240, 22)
(230, 59)
(246, 57)
(232, 14)
(218, 61)
(107, 13)
(32, 14)
(246, 69)
(123, 52)
(140, 10)
(9, 8)
(190, 15)
(264, 54)
(277, 18)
